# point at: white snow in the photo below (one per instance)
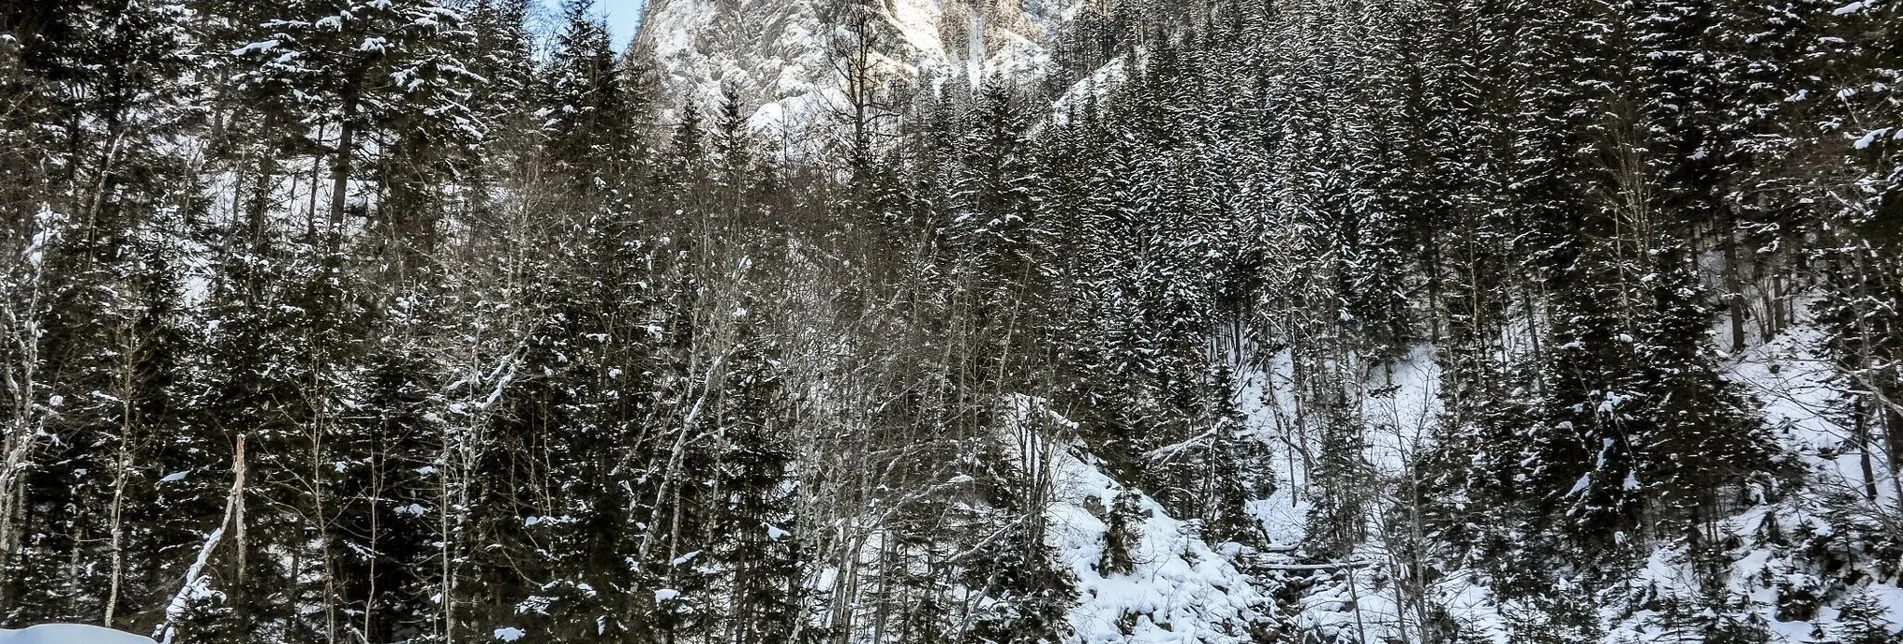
(69, 634)
(196, 586)
(256, 47)
(1796, 387)
(1870, 138)
(1181, 590)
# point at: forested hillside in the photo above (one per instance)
(1306, 321)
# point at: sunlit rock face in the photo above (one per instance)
(785, 57)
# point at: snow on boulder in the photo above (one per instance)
(69, 634)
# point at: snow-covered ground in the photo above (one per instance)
(69, 634)
(1180, 590)
(1775, 548)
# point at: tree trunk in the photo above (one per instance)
(346, 149)
(1861, 434)
(1734, 289)
(121, 473)
(261, 191)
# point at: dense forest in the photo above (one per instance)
(445, 321)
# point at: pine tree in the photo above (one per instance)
(502, 54)
(357, 66)
(993, 226)
(97, 89)
(679, 175)
(1122, 531)
(1017, 570)
(385, 511)
(753, 513)
(1702, 437)
(1861, 621)
(431, 131)
(587, 118)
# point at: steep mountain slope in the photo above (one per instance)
(779, 55)
(1801, 560)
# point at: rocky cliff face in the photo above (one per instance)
(782, 56)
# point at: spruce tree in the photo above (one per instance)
(1861, 621)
